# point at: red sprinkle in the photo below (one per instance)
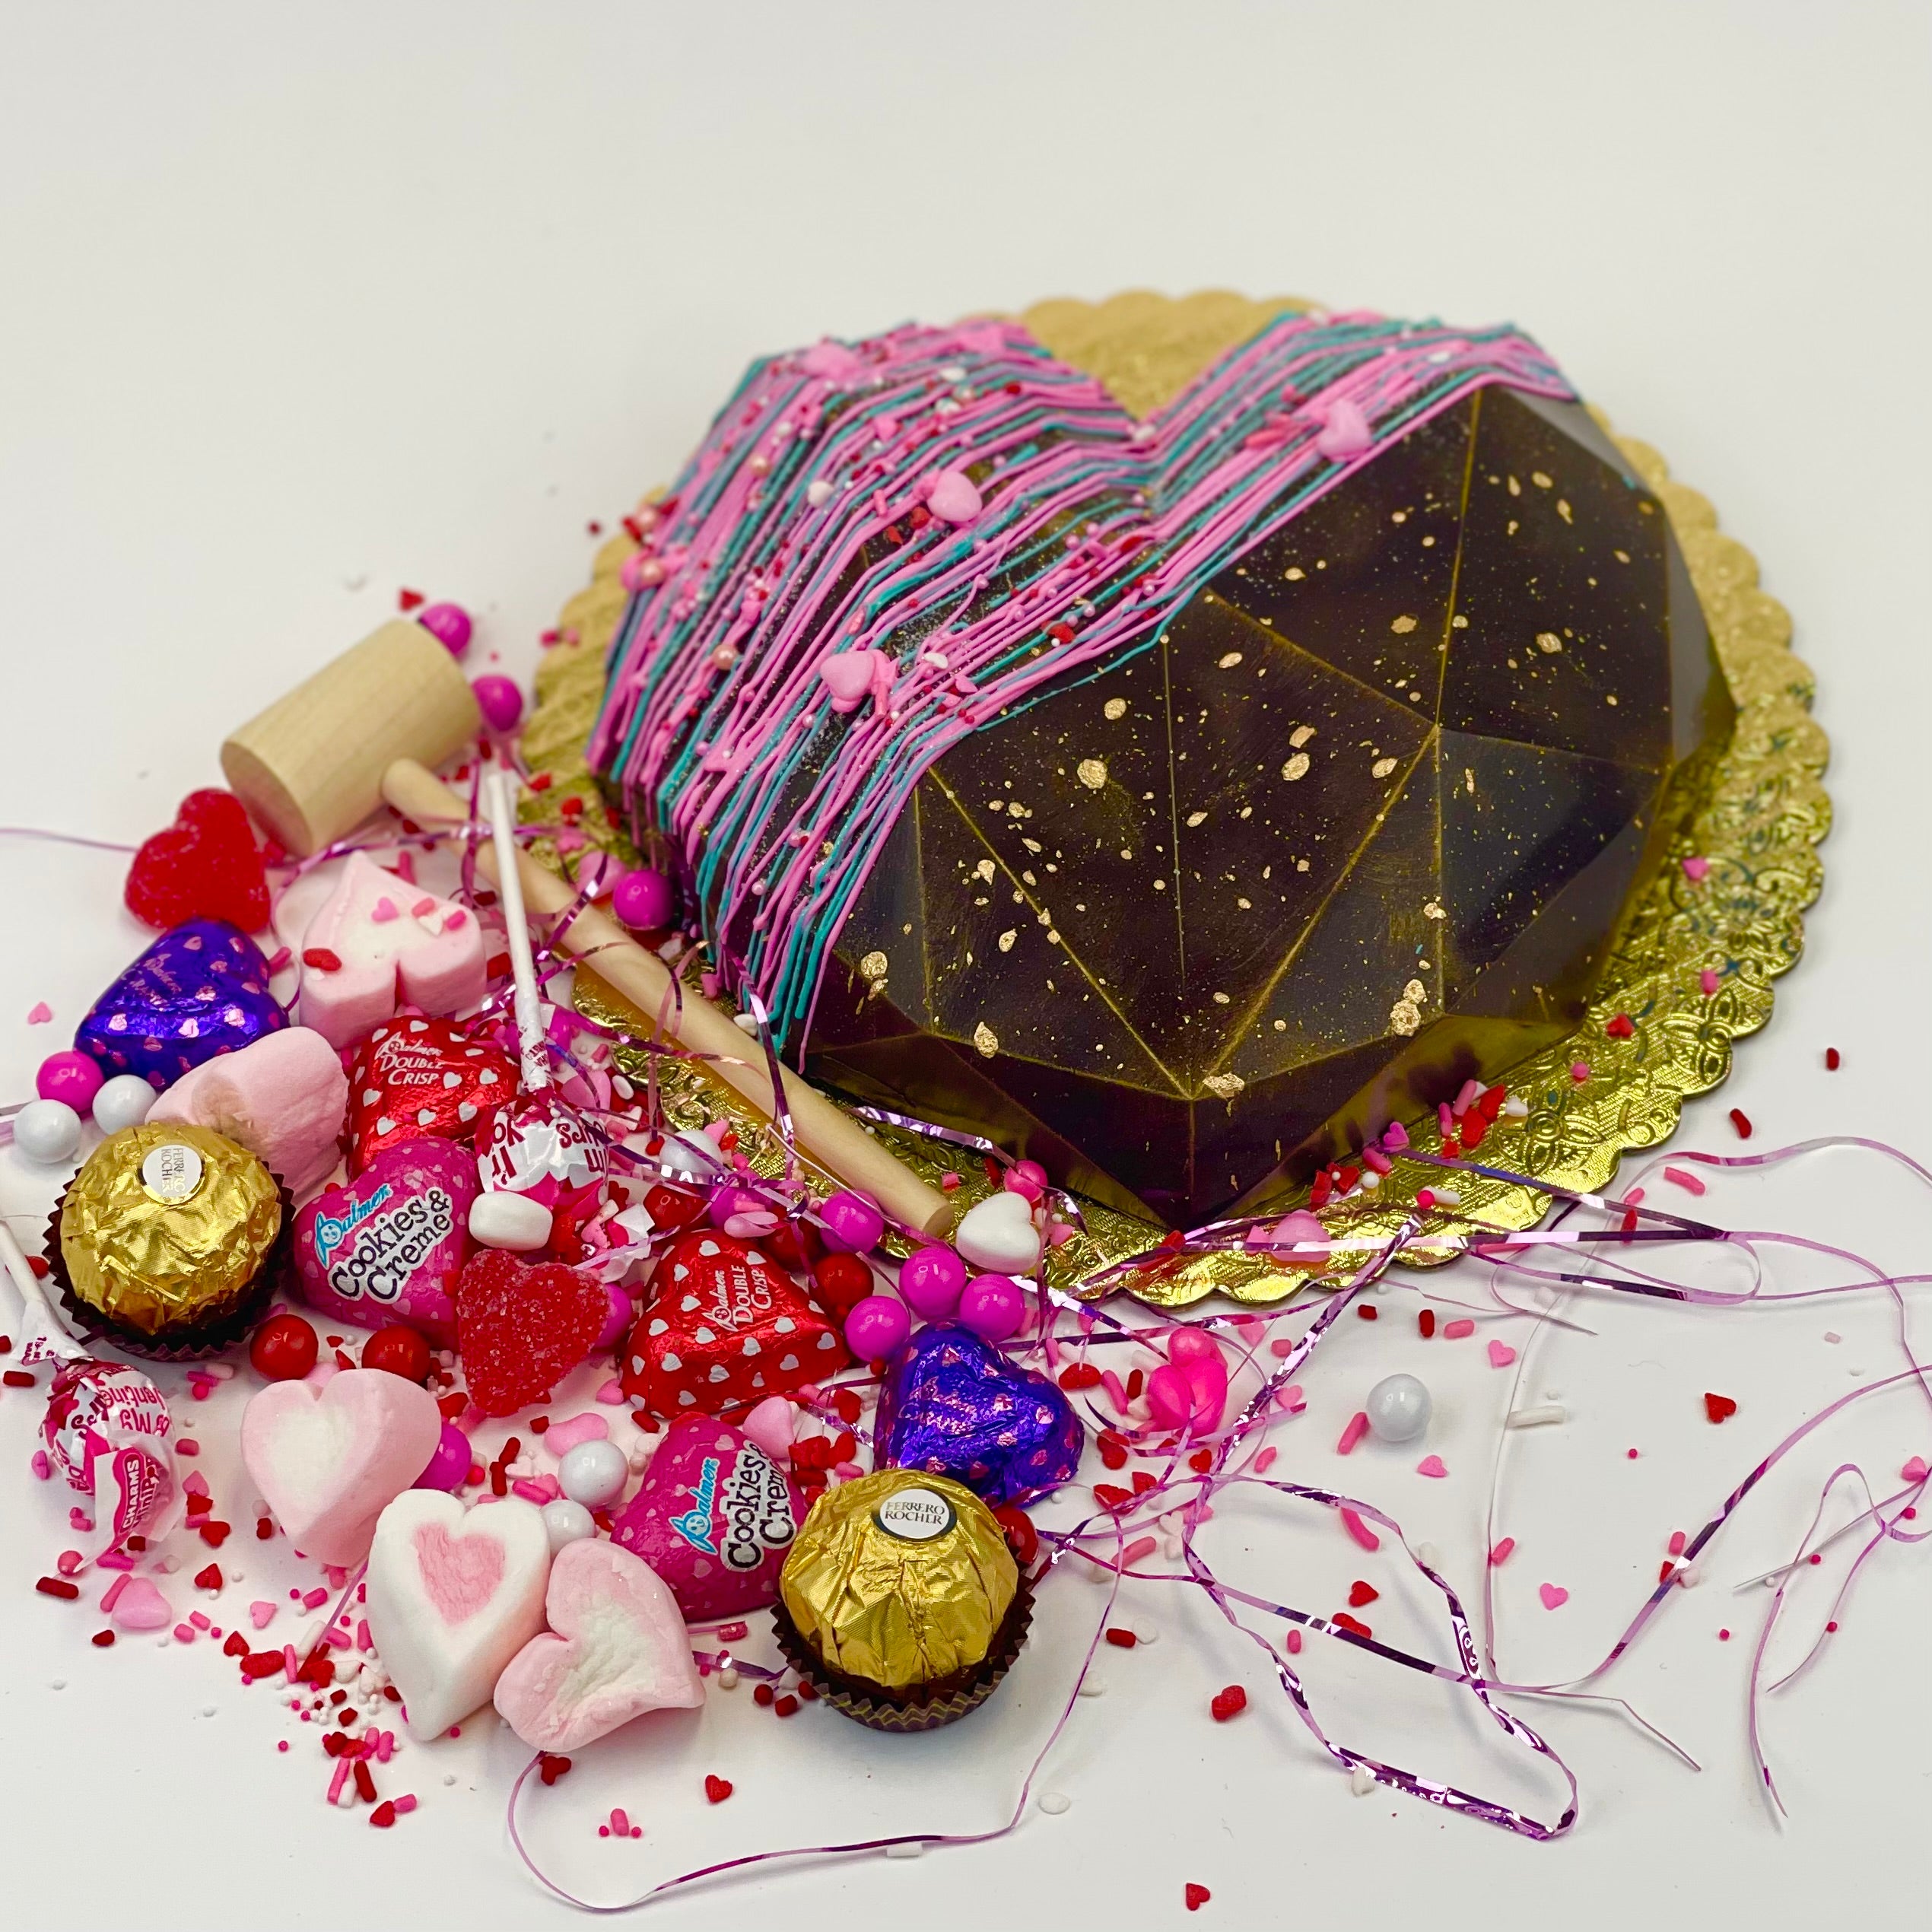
(1229, 1703)
(716, 1789)
(1719, 1408)
(383, 1816)
(1080, 1375)
(764, 1694)
(783, 1707)
(1619, 1028)
(209, 1578)
(1832, 1062)
(1342, 1621)
(1122, 1640)
(17, 1378)
(1426, 1321)
(1742, 1122)
(1197, 1895)
(550, 1767)
(1360, 1594)
(58, 1586)
(102, 1639)
(1367, 1312)
(365, 1784)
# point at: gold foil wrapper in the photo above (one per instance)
(901, 1578)
(166, 1228)
(1757, 810)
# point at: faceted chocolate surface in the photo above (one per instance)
(1363, 823)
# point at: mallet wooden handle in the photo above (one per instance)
(835, 1140)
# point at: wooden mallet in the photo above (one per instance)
(368, 730)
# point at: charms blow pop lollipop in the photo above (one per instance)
(540, 1145)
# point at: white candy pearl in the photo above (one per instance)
(47, 1130)
(1398, 1408)
(509, 1221)
(122, 1102)
(564, 1521)
(593, 1473)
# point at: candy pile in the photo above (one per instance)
(367, 1166)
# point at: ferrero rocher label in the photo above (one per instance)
(899, 1578)
(167, 1227)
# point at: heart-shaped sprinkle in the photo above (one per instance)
(521, 1329)
(1360, 1594)
(692, 1351)
(714, 1517)
(139, 1605)
(954, 1405)
(402, 1078)
(383, 1247)
(205, 865)
(1501, 1354)
(716, 1788)
(1553, 1594)
(1719, 1408)
(197, 991)
(616, 1647)
(1915, 1471)
(1431, 1465)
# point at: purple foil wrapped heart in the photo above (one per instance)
(954, 1405)
(199, 990)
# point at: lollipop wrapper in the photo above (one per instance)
(106, 1431)
(714, 1517)
(543, 1147)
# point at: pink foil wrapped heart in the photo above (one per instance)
(714, 1517)
(386, 1246)
(616, 1648)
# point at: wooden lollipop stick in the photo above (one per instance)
(836, 1140)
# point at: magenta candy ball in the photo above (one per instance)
(1028, 1179)
(617, 1319)
(993, 1307)
(876, 1327)
(852, 1223)
(72, 1076)
(930, 1281)
(450, 1462)
(499, 700)
(644, 900)
(448, 624)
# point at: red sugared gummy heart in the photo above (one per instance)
(205, 865)
(412, 1077)
(725, 1328)
(520, 1330)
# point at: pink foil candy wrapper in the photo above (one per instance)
(106, 1429)
(545, 1148)
(385, 1247)
(715, 1518)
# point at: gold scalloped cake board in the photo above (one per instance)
(1758, 814)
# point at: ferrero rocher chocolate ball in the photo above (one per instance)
(166, 1229)
(899, 1578)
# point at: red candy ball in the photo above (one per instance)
(284, 1348)
(399, 1350)
(844, 1280)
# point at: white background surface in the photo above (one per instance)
(303, 304)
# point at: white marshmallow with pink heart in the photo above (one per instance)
(452, 1595)
(328, 1456)
(395, 943)
(617, 1647)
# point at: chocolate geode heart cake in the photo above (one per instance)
(1173, 797)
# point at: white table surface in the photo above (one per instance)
(304, 304)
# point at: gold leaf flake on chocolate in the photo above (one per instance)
(1381, 767)
(1300, 736)
(1548, 641)
(985, 1040)
(1114, 707)
(1297, 767)
(875, 967)
(1007, 939)
(1402, 626)
(1092, 773)
(1226, 1085)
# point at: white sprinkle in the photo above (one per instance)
(208, 1709)
(1093, 1685)
(914, 1848)
(1534, 1418)
(1689, 1576)
(1361, 1780)
(1428, 1553)
(1148, 1633)
(1053, 1803)
(449, 1778)
(60, 1683)
(818, 491)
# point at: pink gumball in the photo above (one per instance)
(992, 1307)
(876, 1327)
(449, 1463)
(448, 624)
(1028, 1179)
(643, 900)
(72, 1077)
(852, 1223)
(931, 1281)
(500, 701)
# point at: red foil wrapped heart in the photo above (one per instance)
(205, 865)
(520, 1330)
(724, 1329)
(411, 1078)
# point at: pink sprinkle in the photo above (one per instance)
(1553, 1594)
(1425, 1198)
(1915, 1471)
(187, 1445)
(404, 1804)
(530, 1491)
(1290, 1400)
(199, 1618)
(1454, 1331)
(1282, 1350)
(183, 1634)
(1677, 1177)
(1678, 1540)
(1141, 1546)
(41, 1467)
(619, 1824)
(1295, 1643)
(1357, 1428)
(40, 1015)
(1351, 1522)
(340, 1779)
(313, 1599)
(1501, 1354)
(362, 1642)
(1431, 1465)
(847, 1471)
(1580, 1070)
(611, 1394)
(261, 1614)
(1696, 868)
(114, 1559)
(561, 1438)
(1117, 1392)
(196, 1485)
(383, 910)
(1266, 1461)
(423, 906)
(1501, 1552)
(68, 1561)
(335, 1575)
(385, 1746)
(949, 1181)
(733, 1633)
(112, 1595)
(279, 958)
(456, 920)
(1376, 1161)
(1708, 982)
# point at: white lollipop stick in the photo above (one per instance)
(34, 1297)
(498, 799)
